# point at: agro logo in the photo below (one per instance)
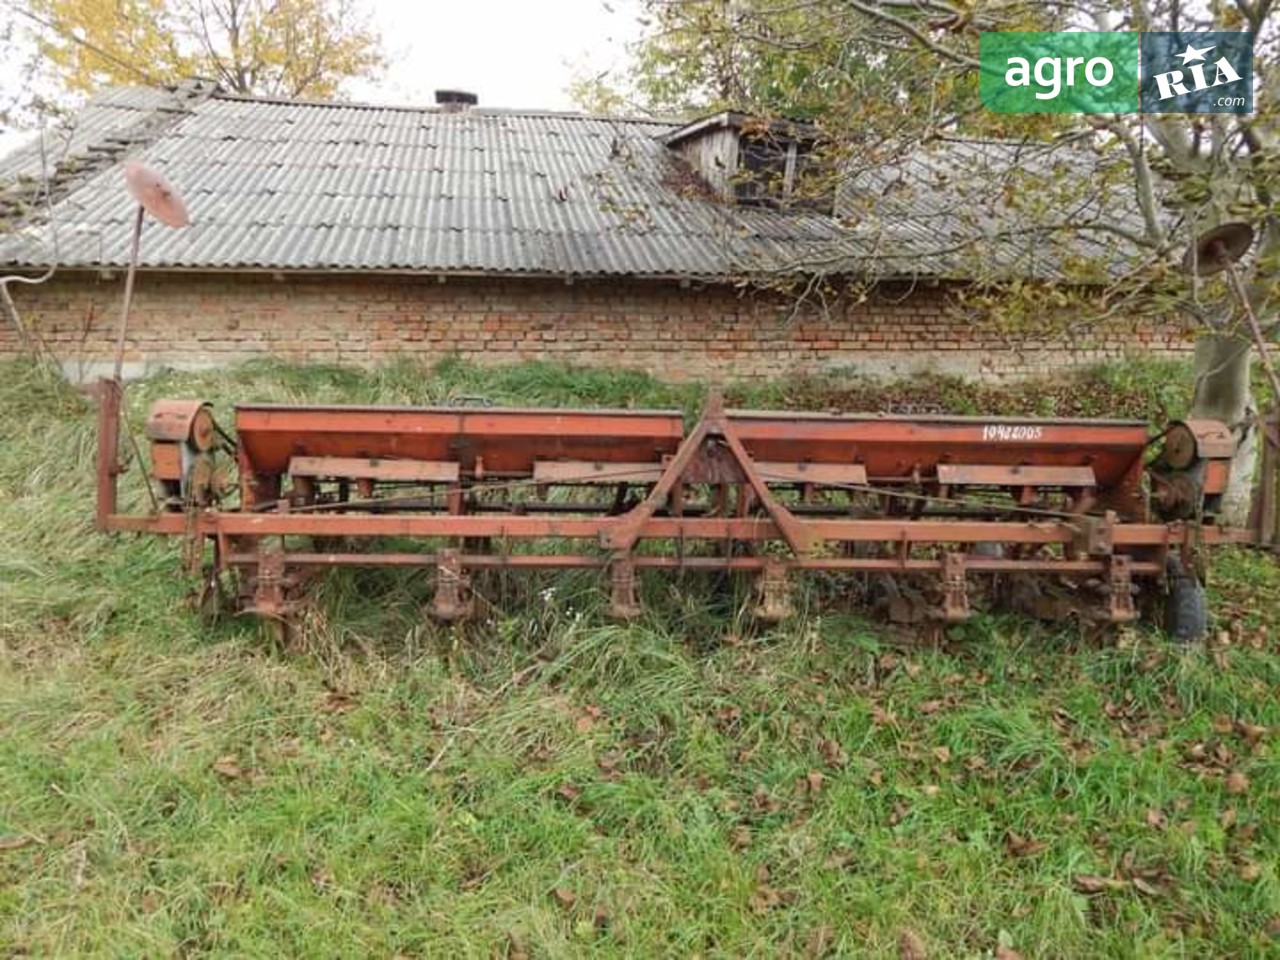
(1209, 72)
(1058, 72)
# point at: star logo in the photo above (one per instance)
(1191, 53)
(1202, 71)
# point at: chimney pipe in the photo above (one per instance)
(454, 101)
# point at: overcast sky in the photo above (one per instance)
(513, 53)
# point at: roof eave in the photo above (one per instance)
(447, 274)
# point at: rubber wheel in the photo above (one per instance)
(1186, 610)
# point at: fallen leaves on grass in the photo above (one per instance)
(811, 783)
(1236, 783)
(1152, 881)
(819, 942)
(601, 920)
(881, 717)
(766, 896)
(607, 764)
(1244, 834)
(929, 707)
(1142, 885)
(383, 894)
(1089, 883)
(321, 879)
(1020, 846)
(338, 702)
(838, 860)
(727, 717)
(1252, 732)
(474, 875)
(765, 802)
(1156, 819)
(587, 720)
(901, 809)
(15, 843)
(1213, 758)
(911, 946)
(564, 897)
(228, 767)
(888, 662)
(832, 753)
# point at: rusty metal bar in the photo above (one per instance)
(569, 561)
(664, 528)
(108, 461)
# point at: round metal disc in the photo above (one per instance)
(1180, 447)
(203, 431)
(1216, 249)
(156, 194)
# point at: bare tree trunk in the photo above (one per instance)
(15, 318)
(1222, 392)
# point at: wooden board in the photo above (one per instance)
(996, 475)
(359, 468)
(590, 472)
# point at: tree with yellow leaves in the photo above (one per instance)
(289, 48)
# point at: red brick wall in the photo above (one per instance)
(677, 333)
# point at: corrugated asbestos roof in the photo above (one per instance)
(311, 186)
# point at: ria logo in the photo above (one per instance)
(1208, 72)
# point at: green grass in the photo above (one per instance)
(545, 783)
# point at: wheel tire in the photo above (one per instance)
(1186, 609)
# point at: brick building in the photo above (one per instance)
(353, 234)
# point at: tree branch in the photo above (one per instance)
(878, 14)
(1144, 187)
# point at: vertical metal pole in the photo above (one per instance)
(128, 290)
(108, 466)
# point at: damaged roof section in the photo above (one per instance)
(294, 186)
(108, 129)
